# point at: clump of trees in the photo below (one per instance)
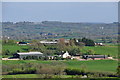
(74, 47)
(7, 52)
(8, 42)
(56, 48)
(34, 68)
(89, 74)
(75, 71)
(88, 42)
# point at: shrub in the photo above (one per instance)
(74, 72)
(25, 71)
(46, 58)
(101, 74)
(49, 69)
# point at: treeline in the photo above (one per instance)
(50, 70)
(87, 42)
(74, 47)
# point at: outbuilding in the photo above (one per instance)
(95, 57)
(23, 43)
(30, 55)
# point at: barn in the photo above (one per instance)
(95, 57)
(28, 55)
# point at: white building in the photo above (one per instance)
(24, 55)
(48, 42)
(65, 55)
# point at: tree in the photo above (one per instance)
(72, 42)
(90, 52)
(118, 71)
(7, 41)
(6, 52)
(61, 45)
(81, 44)
(37, 46)
(18, 51)
(88, 42)
(73, 50)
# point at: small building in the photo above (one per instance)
(23, 43)
(48, 42)
(99, 44)
(28, 55)
(98, 57)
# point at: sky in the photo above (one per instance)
(106, 12)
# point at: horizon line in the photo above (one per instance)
(60, 0)
(59, 21)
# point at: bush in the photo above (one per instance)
(20, 71)
(74, 72)
(88, 42)
(46, 58)
(101, 74)
(49, 69)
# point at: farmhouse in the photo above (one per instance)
(63, 55)
(66, 55)
(31, 55)
(99, 57)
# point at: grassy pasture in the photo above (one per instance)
(91, 65)
(32, 76)
(55, 77)
(14, 48)
(104, 50)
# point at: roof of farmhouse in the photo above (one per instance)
(30, 53)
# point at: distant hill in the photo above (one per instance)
(56, 29)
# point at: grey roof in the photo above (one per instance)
(30, 53)
(95, 56)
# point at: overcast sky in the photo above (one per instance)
(106, 12)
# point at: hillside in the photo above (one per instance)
(55, 29)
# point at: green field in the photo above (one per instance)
(104, 50)
(111, 50)
(36, 77)
(64, 77)
(31, 76)
(14, 48)
(91, 65)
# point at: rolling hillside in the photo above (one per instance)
(55, 29)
